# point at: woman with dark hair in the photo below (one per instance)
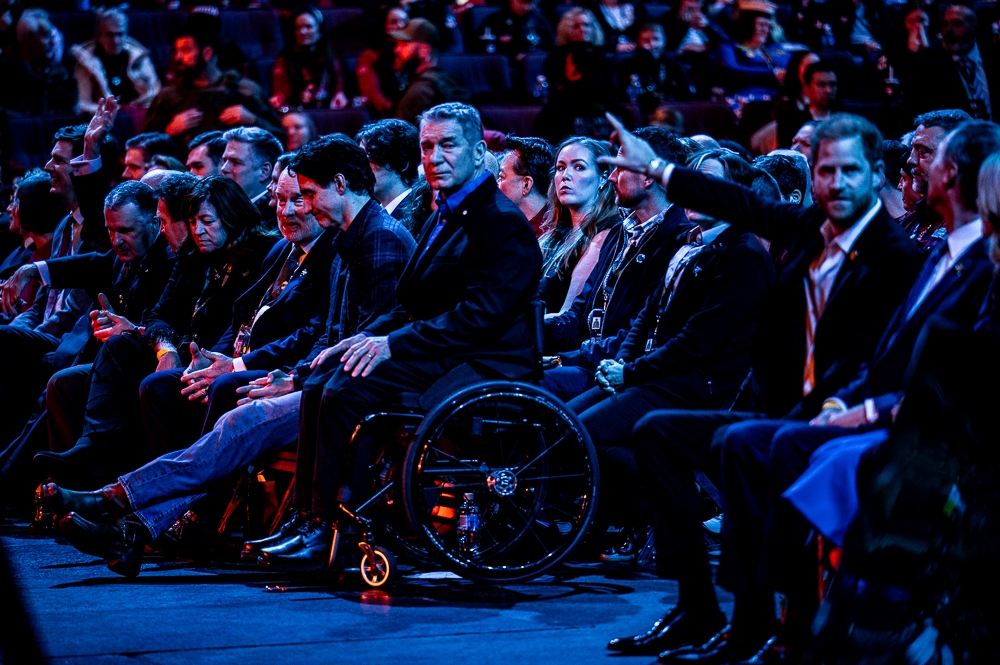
(307, 73)
(223, 259)
(752, 65)
(581, 213)
(34, 215)
(378, 81)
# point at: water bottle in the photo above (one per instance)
(634, 88)
(541, 91)
(468, 525)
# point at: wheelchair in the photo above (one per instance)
(495, 481)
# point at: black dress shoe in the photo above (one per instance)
(676, 629)
(85, 464)
(311, 549)
(121, 542)
(773, 652)
(103, 503)
(668, 656)
(722, 652)
(252, 548)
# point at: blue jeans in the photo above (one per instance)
(161, 491)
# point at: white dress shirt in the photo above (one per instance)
(820, 279)
(393, 204)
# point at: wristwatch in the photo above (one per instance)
(655, 168)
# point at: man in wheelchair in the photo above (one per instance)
(465, 301)
(370, 253)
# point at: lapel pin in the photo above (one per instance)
(640, 258)
(853, 255)
(959, 267)
(696, 271)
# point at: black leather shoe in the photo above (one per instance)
(105, 502)
(121, 542)
(84, 464)
(313, 548)
(252, 548)
(676, 629)
(772, 653)
(722, 652)
(668, 656)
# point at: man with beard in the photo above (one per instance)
(416, 57)
(203, 97)
(924, 225)
(961, 71)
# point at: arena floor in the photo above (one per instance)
(177, 613)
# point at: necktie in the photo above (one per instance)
(979, 97)
(284, 275)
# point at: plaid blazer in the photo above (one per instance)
(368, 259)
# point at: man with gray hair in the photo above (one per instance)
(248, 160)
(465, 297)
(125, 282)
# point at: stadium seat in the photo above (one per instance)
(485, 77)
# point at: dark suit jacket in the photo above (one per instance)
(468, 299)
(284, 333)
(958, 297)
(197, 303)
(872, 282)
(930, 80)
(705, 329)
(565, 333)
(132, 296)
(368, 259)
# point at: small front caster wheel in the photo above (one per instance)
(378, 566)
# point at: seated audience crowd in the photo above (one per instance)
(736, 329)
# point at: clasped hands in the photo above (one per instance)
(204, 369)
(610, 375)
(361, 354)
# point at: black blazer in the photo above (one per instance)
(197, 303)
(286, 332)
(132, 296)
(705, 329)
(468, 300)
(958, 297)
(930, 79)
(565, 333)
(872, 282)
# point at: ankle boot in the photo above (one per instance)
(109, 501)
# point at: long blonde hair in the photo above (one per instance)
(561, 244)
(565, 26)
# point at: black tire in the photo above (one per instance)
(528, 461)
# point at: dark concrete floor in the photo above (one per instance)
(176, 613)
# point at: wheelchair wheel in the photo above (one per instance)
(531, 471)
(379, 569)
